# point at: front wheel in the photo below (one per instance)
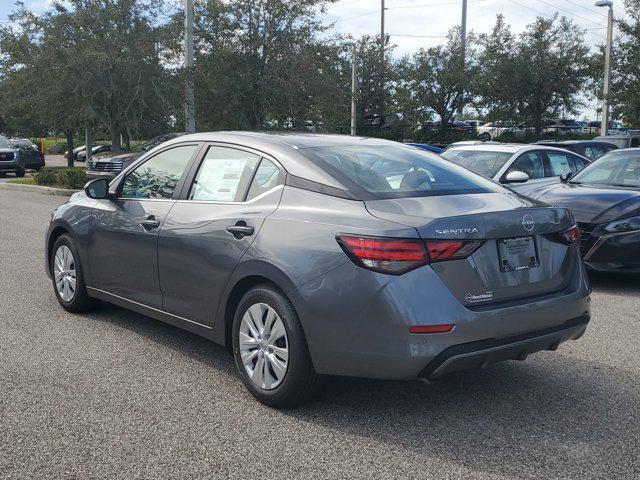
(270, 349)
(67, 276)
(20, 172)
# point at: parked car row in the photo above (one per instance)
(549, 128)
(19, 155)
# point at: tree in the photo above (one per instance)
(83, 63)
(625, 88)
(28, 95)
(433, 79)
(538, 74)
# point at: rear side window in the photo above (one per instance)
(530, 163)
(390, 171)
(594, 152)
(224, 175)
(560, 163)
(267, 176)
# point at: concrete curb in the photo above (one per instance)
(62, 192)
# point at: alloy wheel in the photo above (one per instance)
(64, 272)
(264, 346)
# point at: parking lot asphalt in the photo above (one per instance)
(113, 394)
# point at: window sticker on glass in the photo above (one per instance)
(223, 175)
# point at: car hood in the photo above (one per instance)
(592, 203)
(117, 157)
(7, 150)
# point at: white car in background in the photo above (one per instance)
(521, 167)
(493, 130)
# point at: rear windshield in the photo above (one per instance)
(390, 171)
(619, 142)
(479, 161)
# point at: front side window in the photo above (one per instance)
(390, 171)
(560, 163)
(529, 163)
(224, 175)
(158, 176)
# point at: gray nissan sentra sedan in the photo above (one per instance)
(320, 254)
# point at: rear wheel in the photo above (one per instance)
(485, 136)
(270, 349)
(67, 276)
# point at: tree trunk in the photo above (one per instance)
(127, 139)
(115, 139)
(69, 134)
(89, 142)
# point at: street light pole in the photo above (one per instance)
(353, 88)
(463, 49)
(604, 125)
(189, 101)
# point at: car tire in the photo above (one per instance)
(3, 174)
(299, 381)
(75, 299)
(20, 172)
(485, 136)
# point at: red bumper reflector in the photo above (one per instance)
(422, 329)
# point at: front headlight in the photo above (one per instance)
(625, 225)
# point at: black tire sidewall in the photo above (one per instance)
(80, 300)
(291, 390)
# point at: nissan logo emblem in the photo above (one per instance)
(528, 222)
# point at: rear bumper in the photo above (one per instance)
(357, 323)
(483, 353)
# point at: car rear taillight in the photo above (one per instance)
(570, 236)
(395, 256)
(443, 250)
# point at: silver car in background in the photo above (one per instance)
(311, 255)
(521, 167)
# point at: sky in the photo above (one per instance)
(413, 24)
(422, 23)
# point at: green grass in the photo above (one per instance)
(23, 181)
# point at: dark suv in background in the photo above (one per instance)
(18, 156)
(110, 166)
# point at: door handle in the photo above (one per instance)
(240, 229)
(150, 222)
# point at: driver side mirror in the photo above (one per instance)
(515, 177)
(97, 189)
(565, 177)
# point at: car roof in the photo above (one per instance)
(570, 142)
(287, 148)
(509, 148)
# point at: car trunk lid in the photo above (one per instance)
(521, 255)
